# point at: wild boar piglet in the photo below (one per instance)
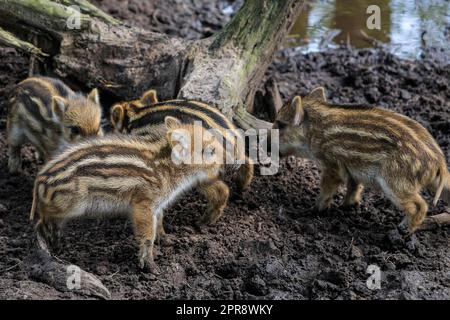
(145, 117)
(361, 145)
(48, 114)
(129, 175)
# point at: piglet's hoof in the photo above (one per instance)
(149, 267)
(402, 228)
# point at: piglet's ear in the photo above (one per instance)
(172, 123)
(59, 107)
(149, 97)
(94, 96)
(174, 133)
(179, 140)
(297, 111)
(318, 94)
(117, 117)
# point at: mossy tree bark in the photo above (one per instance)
(224, 70)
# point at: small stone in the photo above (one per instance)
(356, 252)
(372, 95)
(405, 95)
(102, 270)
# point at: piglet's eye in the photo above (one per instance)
(281, 125)
(210, 150)
(75, 131)
(209, 153)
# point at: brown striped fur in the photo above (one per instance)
(121, 110)
(125, 174)
(49, 115)
(365, 146)
(145, 116)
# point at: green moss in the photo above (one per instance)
(251, 30)
(9, 39)
(45, 7)
(48, 13)
(90, 9)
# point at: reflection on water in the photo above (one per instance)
(407, 26)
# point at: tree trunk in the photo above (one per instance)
(224, 70)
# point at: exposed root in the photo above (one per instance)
(435, 222)
(42, 266)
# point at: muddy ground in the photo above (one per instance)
(269, 243)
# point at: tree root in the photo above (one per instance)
(435, 222)
(42, 266)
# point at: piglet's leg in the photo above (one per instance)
(48, 232)
(14, 161)
(15, 140)
(415, 208)
(216, 193)
(245, 175)
(354, 190)
(330, 182)
(161, 233)
(161, 236)
(145, 227)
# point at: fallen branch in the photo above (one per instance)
(435, 222)
(42, 266)
(245, 120)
